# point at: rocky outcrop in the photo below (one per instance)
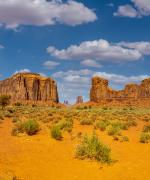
(29, 86)
(100, 90)
(79, 100)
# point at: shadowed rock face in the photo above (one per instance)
(29, 86)
(101, 91)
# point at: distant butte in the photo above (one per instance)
(30, 86)
(100, 91)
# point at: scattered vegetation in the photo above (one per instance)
(30, 127)
(56, 132)
(4, 100)
(92, 148)
(86, 122)
(124, 139)
(102, 124)
(144, 137)
(114, 129)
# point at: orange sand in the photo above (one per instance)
(41, 158)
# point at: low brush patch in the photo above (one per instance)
(92, 148)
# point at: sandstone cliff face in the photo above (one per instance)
(29, 86)
(101, 91)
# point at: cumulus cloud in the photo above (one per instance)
(22, 71)
(91, 63)
(143, 47)
(14, 13)
(100, 50)
(127, 10)
(138, 9)
(50, 64)
(117, 79)
(143, 6)
(78, 82)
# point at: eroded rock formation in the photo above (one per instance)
(79, 100)
(29, 86)
(100, 90)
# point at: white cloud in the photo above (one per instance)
(100, 50)
(14, 13)
(91, 63)
(22, 71)
(143, 47)
(143, 6)
(42, 74)
(50, 64)
(127, 11)
(73, 83)
(117, 79)
(138, 9)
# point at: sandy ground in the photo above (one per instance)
(41, 158)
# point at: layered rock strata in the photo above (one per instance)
(29, 86)
(100, 90)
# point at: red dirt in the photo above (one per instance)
(41, 158)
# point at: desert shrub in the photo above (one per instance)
(66, 125)
(31, 127)
(146, 119)
(18, 104)
(115, 138)
(8, 114)
(146, 128)
(102, 125)
(86, 122)
(144, 137)
(124, 138)
(4, 100)
(56, 132)
(113, 130)
(105, 108)
(92, 148)
(19, 128)
(131, 123)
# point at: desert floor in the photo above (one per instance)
(40, 157)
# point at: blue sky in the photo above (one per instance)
(75, 40)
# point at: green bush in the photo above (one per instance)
(92, 148)
(56, 132)
(4, 100)
(113, 130)
(65, 125)
(115, 138)
(146, 128)
(31, 127)
(144, 137)
(124, 138)
(131, 123)
(86, 122)
(19, 128)
(18, 104)
(102, 125)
